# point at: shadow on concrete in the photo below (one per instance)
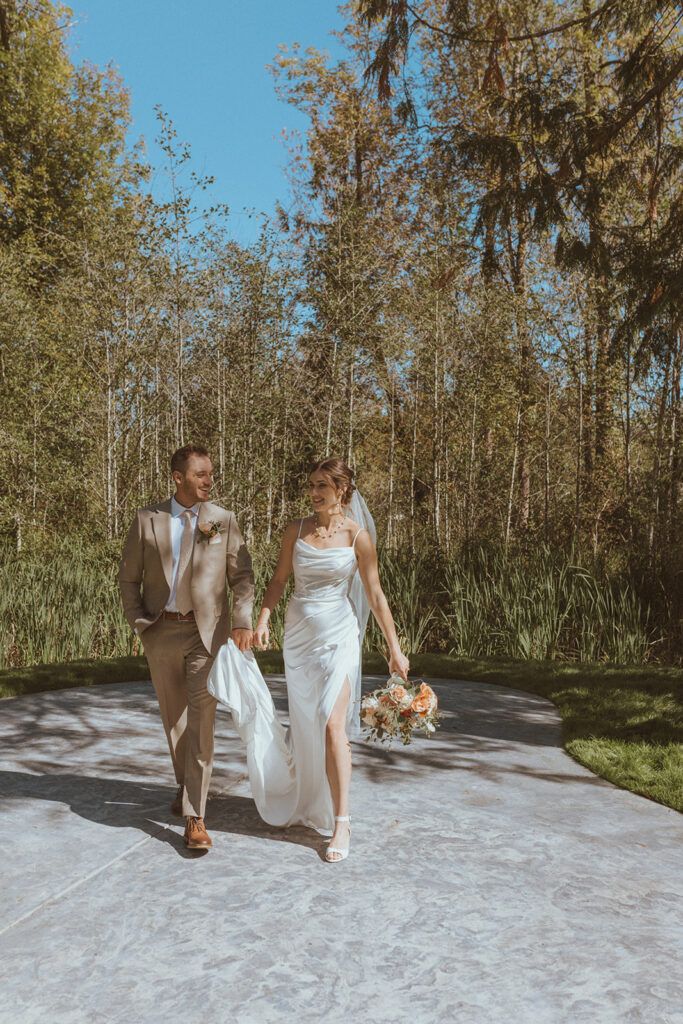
(463, 754)
(60, 739)
(121, 803)
(500, 715)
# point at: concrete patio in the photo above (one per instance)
(491, 879)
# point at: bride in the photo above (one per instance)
(302, 777)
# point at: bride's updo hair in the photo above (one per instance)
(338, 473)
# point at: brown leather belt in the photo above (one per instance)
(178, 616)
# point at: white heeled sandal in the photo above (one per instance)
(343, 854)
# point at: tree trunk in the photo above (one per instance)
(674, 457)
(413, 462)
(546, 488)
(469, 493)
(518, 259)
(392, 442)
(627, 444)
(271, 470)
(436, 442)
(220, 414)
(283, 476)
(653, 530)
(603, 390)
(349, 447)
(333, 389)
(579, 460)
(513, 475)
(586, 407)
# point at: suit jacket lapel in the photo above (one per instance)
(161, 524)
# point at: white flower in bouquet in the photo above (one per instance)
(368, 711)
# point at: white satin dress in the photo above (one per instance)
(322, 649)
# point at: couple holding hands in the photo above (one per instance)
(175, 562)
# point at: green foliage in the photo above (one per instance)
(62, 603)
(623, 722)
(15, 682)
(483, 319)
(409, 590)
(62, 131)
(264, 560)
(544, 605)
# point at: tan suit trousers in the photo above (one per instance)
(179, 664)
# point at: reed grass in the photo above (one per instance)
(408, 585)
(60, 603)
(546, 605)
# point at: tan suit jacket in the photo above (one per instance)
(146, 572)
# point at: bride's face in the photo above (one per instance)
(323, 494)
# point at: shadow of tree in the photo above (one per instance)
(58, 738)
(468, 755)
(122, 803)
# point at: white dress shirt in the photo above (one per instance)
(177, 527)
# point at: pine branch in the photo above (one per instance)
(461, 37)
(606, 133)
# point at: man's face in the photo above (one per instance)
(196, 482)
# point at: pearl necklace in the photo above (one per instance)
(330, 533)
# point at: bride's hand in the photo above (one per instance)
(399, 664)
(261, 635)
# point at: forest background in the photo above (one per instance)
(474, 296)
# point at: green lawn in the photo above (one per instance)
(624, 722)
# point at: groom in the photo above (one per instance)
(172, 580)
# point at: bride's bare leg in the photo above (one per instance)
(338, 764)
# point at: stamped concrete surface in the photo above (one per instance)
(491, 879)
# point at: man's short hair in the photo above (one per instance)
(180, 459)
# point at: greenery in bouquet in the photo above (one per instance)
(398, 710)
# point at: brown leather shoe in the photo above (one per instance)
(196, 837)
(177, 805)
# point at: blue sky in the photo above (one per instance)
(204, 63)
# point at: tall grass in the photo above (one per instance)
(544, 606)
(409, 584)
(264, 560)
(62, 603)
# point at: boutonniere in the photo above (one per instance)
(210, 529)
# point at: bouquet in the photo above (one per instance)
(398, 710)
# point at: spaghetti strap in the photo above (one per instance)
(353, 544)
(301, 523)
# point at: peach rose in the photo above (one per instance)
(424, 701)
